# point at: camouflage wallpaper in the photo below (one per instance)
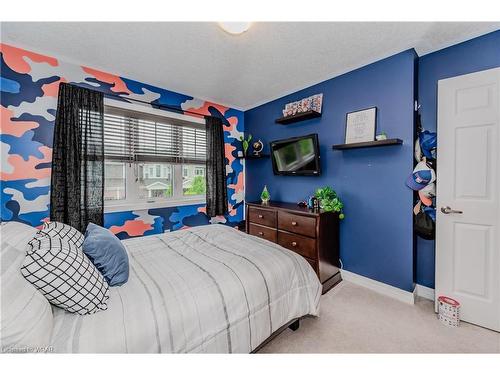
(29, 85)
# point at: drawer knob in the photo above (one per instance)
(260, 216)
(261, 233)
(294, 223)
(294, 243)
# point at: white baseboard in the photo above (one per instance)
(377, 286)
(424, 292)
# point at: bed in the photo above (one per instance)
(209, 289)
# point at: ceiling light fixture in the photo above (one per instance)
(235, 28)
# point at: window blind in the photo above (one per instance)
(141, 137)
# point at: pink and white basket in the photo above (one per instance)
(449, 311)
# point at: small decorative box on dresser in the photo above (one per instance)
(312, 234)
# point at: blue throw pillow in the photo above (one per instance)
(107, 253)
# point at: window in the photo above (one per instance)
(114, 184)
(155, 185)
(193, 181)
(152, 160)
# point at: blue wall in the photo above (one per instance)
(471, 56)
(377, 234)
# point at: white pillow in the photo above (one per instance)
(63, 231)
(26, 315)
(64, 275)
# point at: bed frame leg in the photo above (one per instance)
(295, 325)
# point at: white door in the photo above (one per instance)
(468, 195)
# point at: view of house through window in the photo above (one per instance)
(155, 180)
(193, 179)
(152, 158)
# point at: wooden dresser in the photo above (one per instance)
(312, 234)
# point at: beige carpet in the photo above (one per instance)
(357, 320)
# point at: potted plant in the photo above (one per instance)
(329, 200)
(245, 143)
(382, 136)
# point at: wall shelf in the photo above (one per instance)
(385, 142)
(298, 117)
(262, 156)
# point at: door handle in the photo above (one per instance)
(447, 210)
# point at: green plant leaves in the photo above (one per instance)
(329, 200)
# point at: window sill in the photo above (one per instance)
(136, 206)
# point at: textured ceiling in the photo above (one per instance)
(268, 61)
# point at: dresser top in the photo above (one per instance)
(292, 207)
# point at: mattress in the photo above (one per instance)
(209, 289)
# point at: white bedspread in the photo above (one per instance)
(205, 289)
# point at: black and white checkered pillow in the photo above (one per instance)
(65, 276)
(64, 232)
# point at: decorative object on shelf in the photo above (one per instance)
(316, 205)
(360, 125)
(245, 143)
(258, 146)
(329, 200)
(317, 102)
(312, 103)
(265, 196)
(302, 204)
(311, 202)
(240, 154)
(381, 137)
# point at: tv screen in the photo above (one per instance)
(296, 156)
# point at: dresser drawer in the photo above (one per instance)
(297, 224)
(300, 244)
(269, 234)
(263, 217)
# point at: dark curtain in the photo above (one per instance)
(77, 186)
(216, 168)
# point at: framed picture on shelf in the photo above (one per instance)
(361, 125)
(316, 102)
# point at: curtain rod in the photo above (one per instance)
(155, 105)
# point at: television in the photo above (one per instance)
(297, 156)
